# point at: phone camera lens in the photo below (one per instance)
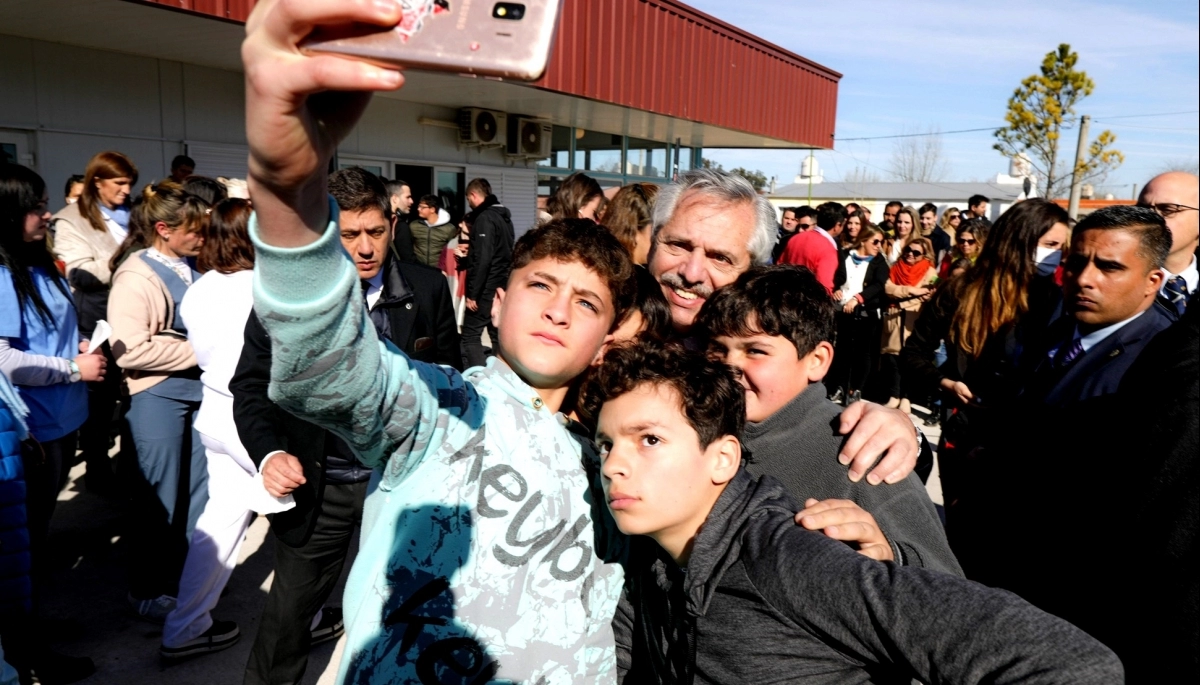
(508, 10)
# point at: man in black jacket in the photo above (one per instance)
(727, 589)
(490, 260)
(409, 304)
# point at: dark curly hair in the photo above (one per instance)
(712, 400)
(584, 241)
(784, 300)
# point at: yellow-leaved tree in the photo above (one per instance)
(1039, 111)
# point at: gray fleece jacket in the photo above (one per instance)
(798, 445)
(765, 601)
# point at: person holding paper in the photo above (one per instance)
(39, 353)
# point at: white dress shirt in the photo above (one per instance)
(1191, 278)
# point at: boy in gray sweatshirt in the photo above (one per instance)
(725, 588)
(775, 327)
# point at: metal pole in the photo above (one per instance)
(810, 175)
(1076, 176)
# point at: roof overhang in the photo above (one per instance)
(673, 72)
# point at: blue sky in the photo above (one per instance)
(952, 65)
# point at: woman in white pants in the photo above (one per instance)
(215, 309)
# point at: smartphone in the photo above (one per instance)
(508, 40)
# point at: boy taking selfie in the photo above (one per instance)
(485, 551)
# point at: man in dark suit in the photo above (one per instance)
(1091, 511)
(1110, 281)
(1176, 196)
(409, 305)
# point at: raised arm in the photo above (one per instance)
(327, 363)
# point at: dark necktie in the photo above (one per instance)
(1177, 294)
(1068, 353)
(366, 285)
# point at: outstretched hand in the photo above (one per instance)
(878, 430)
(299, 107)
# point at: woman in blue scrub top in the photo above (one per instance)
(39, 341)
(40, 353)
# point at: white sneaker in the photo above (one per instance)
(222, 635)
(152, 610)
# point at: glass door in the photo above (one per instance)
(450, 186)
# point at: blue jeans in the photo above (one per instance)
(170, 492)
(162, 429)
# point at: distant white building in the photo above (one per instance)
(811, 188)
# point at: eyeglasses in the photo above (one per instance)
(967, 241)
(805, 226)
(915, 253)
(1166, 209)
(877, 241)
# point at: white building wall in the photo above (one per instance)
(61, 104)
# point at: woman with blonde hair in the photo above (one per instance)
(910, 282)
(907, 225)
(149, 341)
(859, 293)
(87, 234)
(628, 216)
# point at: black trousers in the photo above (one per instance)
(472, 331)
(304, 578)
(47, 465)
(104, 407)
(856, 351)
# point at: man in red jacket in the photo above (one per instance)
(818, 249)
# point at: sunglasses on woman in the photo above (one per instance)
(915, 253)
(967, 241)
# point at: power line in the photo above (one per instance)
(1139, 116)
(994, 128)
(918, 135)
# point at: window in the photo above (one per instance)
(646, 158)
(560, 149)
(597, 151)
(684, 155)
(373, 168)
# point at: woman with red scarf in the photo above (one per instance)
(910, 283)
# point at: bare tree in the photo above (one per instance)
(917, 157)
(1191, 166)
(861, 174)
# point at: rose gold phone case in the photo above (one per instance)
(459, 36)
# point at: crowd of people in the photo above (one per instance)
(656, 467)
(881, 275)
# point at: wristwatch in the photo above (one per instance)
(76, 375)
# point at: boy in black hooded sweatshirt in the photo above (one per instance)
(726, 588)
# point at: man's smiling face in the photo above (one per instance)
(703, 247)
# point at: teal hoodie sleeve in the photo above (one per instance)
(329, 367)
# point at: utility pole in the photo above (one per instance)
(1076, 175)
(810, 175)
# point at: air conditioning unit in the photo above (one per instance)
(530, 138)
(483, 127)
